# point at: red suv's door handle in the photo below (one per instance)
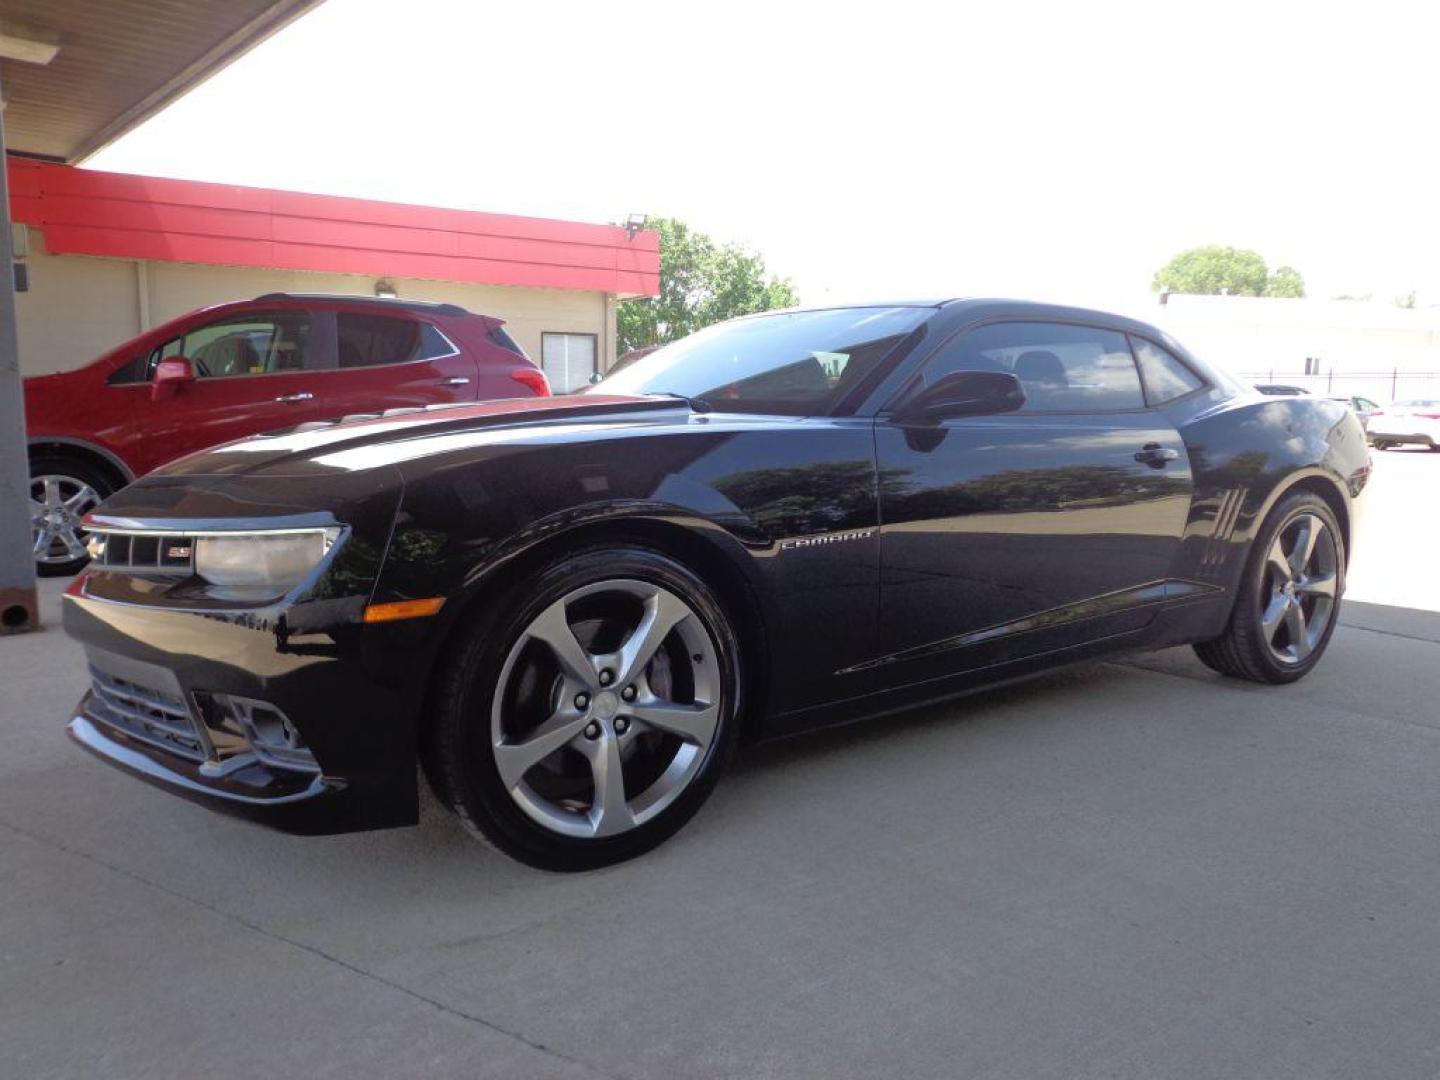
(455, 380)
(292, 399)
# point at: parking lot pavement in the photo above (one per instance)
(1131, 869)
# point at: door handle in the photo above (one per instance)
(455, 380)
(292, 399)
(1156, 456)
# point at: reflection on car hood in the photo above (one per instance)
(371, 441)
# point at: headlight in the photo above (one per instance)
(260, 565)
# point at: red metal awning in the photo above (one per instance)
(86, 212)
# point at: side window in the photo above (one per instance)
(170, 348)
(434, 345)
(246, 345)
(1061, 367)
(568, 360)
(370, 340)
(1165, 376)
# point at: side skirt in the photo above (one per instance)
(933, 691)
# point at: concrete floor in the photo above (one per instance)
(1133, 869)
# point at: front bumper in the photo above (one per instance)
(315, 808)
(157, 676)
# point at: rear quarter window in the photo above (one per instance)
(500, 337)
(1165, 376)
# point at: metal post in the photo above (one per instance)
(18, 607)
(1394, 378)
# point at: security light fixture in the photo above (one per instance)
(386, 288)
(633, 224)
(31, 44)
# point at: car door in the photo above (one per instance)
(384, 360)
(250, 377)
(1008, 535)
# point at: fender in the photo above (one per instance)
(677, 524)
(109, 456)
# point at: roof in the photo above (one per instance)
(433, 306)
(120, 62)
(88, 212)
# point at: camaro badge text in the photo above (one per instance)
(827, 538)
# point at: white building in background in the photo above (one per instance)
(1373, 349)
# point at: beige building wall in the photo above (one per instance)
(79, 307)
(1375, 350)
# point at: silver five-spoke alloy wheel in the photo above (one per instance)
(605, 708)
(58, 504)
(1298, 597)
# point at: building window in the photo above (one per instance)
(568, 360)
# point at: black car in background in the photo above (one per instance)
(570, 610)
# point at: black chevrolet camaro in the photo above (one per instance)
(570, 610)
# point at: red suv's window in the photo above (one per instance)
(239, 345)
(368, 340)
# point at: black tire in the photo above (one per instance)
(81, 472)
(1242, 651)
(457, 751)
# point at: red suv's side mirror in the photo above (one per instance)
(170, 376)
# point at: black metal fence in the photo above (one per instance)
(1379, 386)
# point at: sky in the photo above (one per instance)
(1048, 151)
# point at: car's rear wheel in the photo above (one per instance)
(62, 492)
(585, 717)
(1289, 599)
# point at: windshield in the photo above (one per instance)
(794, 363)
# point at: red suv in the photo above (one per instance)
(238, 369)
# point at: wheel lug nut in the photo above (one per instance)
(582, 701)
(592, 730)
(628, 694)
(607, 677)
(621, 725)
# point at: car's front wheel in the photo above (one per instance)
(1289, 598)
(585, 717)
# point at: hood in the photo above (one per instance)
(377, 441)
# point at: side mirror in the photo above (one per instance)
(964, 393)
(595, 378)
(171, 376)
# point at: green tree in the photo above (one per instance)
(1285, 281)
(1212, 270)
(701, 282)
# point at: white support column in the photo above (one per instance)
(142, 293)
(608, 345)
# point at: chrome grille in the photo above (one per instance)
(146, 713)
(144, 553)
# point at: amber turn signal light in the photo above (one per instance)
(403, 609)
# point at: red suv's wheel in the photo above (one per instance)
(62, 492)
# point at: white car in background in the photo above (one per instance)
(1416, 420)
